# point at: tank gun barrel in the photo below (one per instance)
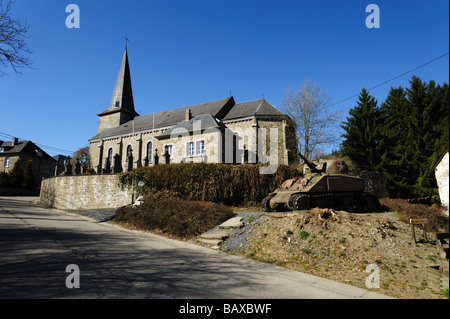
(311, 165)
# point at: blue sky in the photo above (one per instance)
(192, 51)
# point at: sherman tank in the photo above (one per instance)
(324, 184)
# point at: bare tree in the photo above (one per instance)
(316, 123)
(83, 156)
(13, 47)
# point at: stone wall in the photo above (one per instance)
(84, 192)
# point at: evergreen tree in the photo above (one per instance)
(361, 137)
(4, 179)
(28, 176)
(16, 174)
(428, 117)
(394, 147)
(403, 138)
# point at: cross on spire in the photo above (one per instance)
(126, 40)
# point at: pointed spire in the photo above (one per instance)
(122, 98)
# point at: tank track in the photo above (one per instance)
(265, 204)
(349, 201)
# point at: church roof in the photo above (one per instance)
(122, 99)
(223, 109)
(252, 108)
(197, 124)
(168, 118)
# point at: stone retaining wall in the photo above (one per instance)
(84, 192)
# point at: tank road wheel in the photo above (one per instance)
(265, 204)
(299, 202)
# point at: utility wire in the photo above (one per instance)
(51, 148)
(392, 79)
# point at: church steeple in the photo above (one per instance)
(122, 104)
(123, 93)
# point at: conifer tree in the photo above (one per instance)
(394, 148)
(361, 135)
(16, 174)
(404, 138)
(28, 176)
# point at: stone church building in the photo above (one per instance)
(221, 131)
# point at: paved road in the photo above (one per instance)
(37, 244)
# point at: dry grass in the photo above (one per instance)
(436, 220)
(340, 246)
(166, 213)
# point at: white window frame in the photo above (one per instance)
(150, 160)
(202, 150)
(190, 149)
(170, 151)
(7, 162)
(193, 148)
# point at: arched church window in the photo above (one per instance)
(129, 158)
(110, 155)
(129, 151)
(150, 152)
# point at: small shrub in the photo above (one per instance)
(436, 220)
(304, 234)
(234, 185)
(166, 212)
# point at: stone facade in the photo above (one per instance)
(229, 132)
(442, 178)
(84, 192)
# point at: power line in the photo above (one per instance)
(392, 79)
(51, 148)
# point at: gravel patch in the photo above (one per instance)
(100, 215)
(238, 240)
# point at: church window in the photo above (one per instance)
(190, 149)
(129, 150)
(150, 152)
(168, 148)
(200, 147)
(110, 155)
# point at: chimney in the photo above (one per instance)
(15, 141)
(188, 114)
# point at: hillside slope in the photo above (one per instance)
(340, 246)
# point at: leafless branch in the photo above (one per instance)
(14, 50)
(316, 122)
